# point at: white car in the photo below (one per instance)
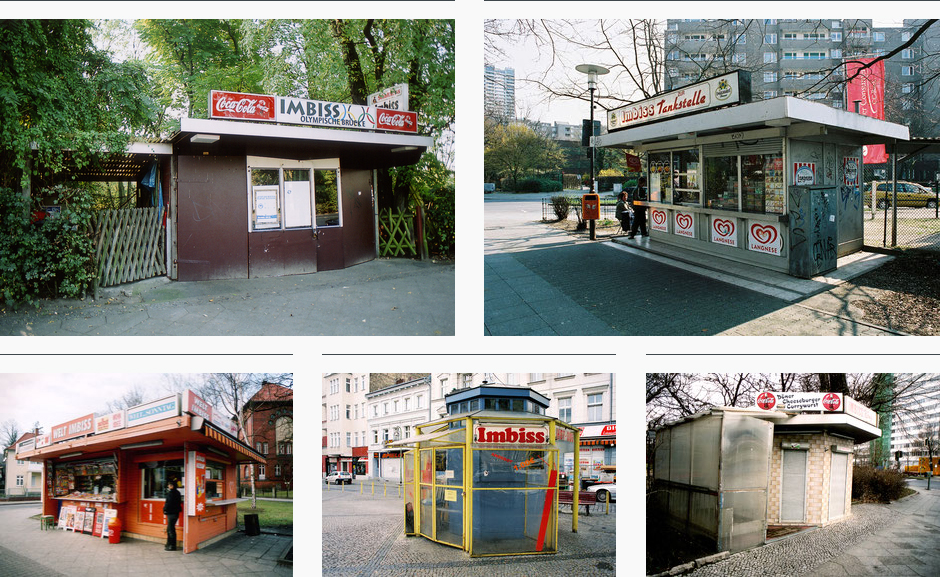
(604, 490)
(339, 478)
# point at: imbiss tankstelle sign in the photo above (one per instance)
(284, 109)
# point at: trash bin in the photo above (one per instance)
(252, 526)
(114, 530)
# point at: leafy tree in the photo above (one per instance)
(65, 97)
(516, 150)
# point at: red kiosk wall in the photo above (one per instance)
(216, 521)
(140, 516)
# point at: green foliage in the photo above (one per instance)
(49, 258)
(561, 206)
(61, 94)
(539, 185)
(432, 185)
(877, 485)
(516, 150)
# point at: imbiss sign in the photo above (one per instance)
(508, 435)
(287, 110)
(733, 88)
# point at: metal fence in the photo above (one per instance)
(608, 207)
(908, 218)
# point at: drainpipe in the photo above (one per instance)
(428, 378)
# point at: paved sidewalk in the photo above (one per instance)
(25, 551)
(363, 535)
(380, 297)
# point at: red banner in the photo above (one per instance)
(399, 120)
(241, 106)
(869, 89)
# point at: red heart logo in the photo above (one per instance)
(723, 227)
(764, 234)
(684, 220)
(659, 217)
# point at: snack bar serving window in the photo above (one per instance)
(215, 480)
(291, 195)
(675, 177)
(156, 474)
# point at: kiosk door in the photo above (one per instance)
(442, 495)
(837, 485)
(793, 490)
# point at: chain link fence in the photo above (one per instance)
(906, 218)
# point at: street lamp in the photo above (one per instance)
(592, 70)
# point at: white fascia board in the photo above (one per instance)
(230, 128)
(833, 419)
(150, 148)
(755, 114)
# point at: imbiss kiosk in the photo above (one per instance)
(485, 478)
(98, 468)
(773, 183)
(726, 475)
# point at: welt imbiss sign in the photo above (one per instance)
(733, 88)
(286, 110)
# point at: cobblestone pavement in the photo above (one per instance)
(363, 536)
(25, 551)
(897, 540)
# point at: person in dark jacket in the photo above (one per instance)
(172, 508)
(639, 211)
(623, 211)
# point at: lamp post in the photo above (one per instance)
(592, 70)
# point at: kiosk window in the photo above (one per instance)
(297, 198)
(721, 182)
(156, 474)
(685, 173)
(660, 183)
(215, 480)
(325, 191)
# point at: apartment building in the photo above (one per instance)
(499, 92)
(22, 477)
(344, 423)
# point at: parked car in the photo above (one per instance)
(604, 491)
(909, 194)
(339, 478)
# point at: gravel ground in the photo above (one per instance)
(799, 555)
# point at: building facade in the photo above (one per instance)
(269, 428)
(499, 92)
(914, 416)
(802, 58)
(21, 477)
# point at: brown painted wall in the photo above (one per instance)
(358, 219)
(213, 217)
(279, 253)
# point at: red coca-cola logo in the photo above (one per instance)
(659, 217)
(242, 106)
(396, 120)
(764, 234)
(723, 227)
(684, 221)
(831, 402)
(766, 401)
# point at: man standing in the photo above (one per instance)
(639, 210)
(172, 508)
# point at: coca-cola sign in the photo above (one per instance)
(241, 106)
(399, 120)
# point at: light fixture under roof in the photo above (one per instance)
(204, 138)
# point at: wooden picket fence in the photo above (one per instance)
(130, 245)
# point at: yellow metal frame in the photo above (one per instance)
(467, 486)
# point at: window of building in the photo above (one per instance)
(739, 58)
(407, 404)
(348, 385)
(419, 402)
(467, 380)
(277, 470)
(768, 94)
(905, 36)
(407, 431)
(19, 480)
(684, 177)
(907, 87)
(770, 57)
(770, 21)
(721, 184)
(385, 435)
(375, 410)
(878, 36)
(375, 436)
(835, 53)
(385, 408)
(770, 38)
(511, 379)
(264, 448)
(349, 439)
(535, 377)
(348, 411)
(282, 193)
(258, 446)
(694, 37)
(156, 474)
(907, 54)
(673, 55)
(595, 406)
(770, 76)
(261, 475)
(740, 39)
(907, 71)
(790, 56)
(215, 480)
(325, 183)
(695, 57)
(836, 24)
(790, 35)
(564, 409)
(835, 36)
(356, 411)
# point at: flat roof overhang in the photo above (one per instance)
(354, 148)
(839, 423)
(783, 116)
(171, 433)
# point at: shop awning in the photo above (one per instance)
(216, 434)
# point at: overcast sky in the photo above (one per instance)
(527, 61)
(53, 399)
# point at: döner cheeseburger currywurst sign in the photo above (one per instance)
(733, 88)
(240, 106)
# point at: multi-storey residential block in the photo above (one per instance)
(499, 92)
